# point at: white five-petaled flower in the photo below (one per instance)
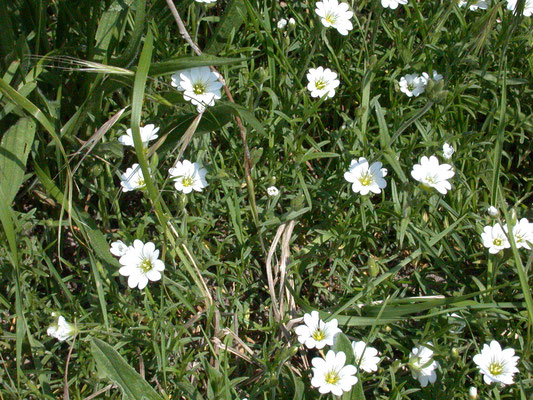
(432, 174)
(335, 14)
(332, 375)
(61, 330)
(496, 365)
(118, 248)
(315, 332)
(412, 85)
(474, 4)
(188, 176)
(272, 191)
(199, 85)
(495, 239)
(447, 151)
(132, 179)
(365, 356)
(528, 7)
(322, 81)
(523, 233)
(422, 365)
(493, 211)
(392, 3)
(366, 178)
(141, 264)
(148, 133)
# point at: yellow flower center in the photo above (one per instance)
(497, 242)
(495, 368)
(332, 377)
(198, 88)
(331, 18)
(319, 335)
(146, 265)
(187, 181)
(320, 84)
(366, 179)
(141, 182)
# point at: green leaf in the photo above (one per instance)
(180, 63)
(342, 343)
(14, 149)
(111, 364)
(230, 22)
(246, 115)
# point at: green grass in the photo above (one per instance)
(390, 267)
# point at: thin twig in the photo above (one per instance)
(99, 392)
(66, 395)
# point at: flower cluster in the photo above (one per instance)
(415, 85)
(495, 237)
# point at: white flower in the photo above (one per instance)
(132, 179)
(422, 365)
(272, 191)
(493, 211)
(292, 22)
(432, 174)
(322, 82)
(332, 375)
(392, 3)
(412, 85)
(118, 248)
(365, 356)
(528, 7)
(474, 4)
(188, 176)
(282, 23)
(148, 133)
(366, 178)
(315, 332)
(447, 151)
(61, 330)
(199, 85)
(140, 264)
(205, 1)
(495, 364)
(335, 14)
(523, 233)
(495, 239)
(472, 393)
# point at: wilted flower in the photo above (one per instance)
(365, 356)
(457, 323)
(322, 82)
(199, 85)
(148, 133)
(118, 248)
(436, 77)
(495, 239)
(432, 174)
(282, 23)
(422, 365)
(412, 85)
(141, 264)
(528, 7)
(132, 179)
(447, 151)
(365, 178)
(205, 1)
(332, 375)
(496, 365)
(392, 3)
(315, 332)
(474, 4)
(272, 191)
(335, 14)
(188, 176)
(61, 330)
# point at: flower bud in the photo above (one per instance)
(472, 393)
(493, 211)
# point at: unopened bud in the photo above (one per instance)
(472, 393)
